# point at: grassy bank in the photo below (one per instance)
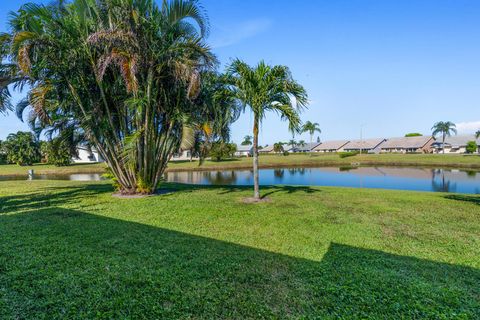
(272, 161)
(71, 250)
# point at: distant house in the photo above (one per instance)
(418, 144)
(87, 154)
(266, 149)
(183, 155)
(454, 144)
(331, 146)
(244, 151)
(269, 149)
(308, 147)
(365, 145)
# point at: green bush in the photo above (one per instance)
(222, 150)
(56, 152)
(22, 148)
(286, 153)
(471, 147)
(347, 154)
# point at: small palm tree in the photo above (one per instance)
(247, 140)
(278, 147)
(311, 128)
(445, 128)
(477, 134)
(266, 88)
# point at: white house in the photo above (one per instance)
(244, 151)
(87, 155)
(454, 144)
(331, 146)
(182, 155)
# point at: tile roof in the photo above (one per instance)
(406, 142)
(365, 144)
(331, 145)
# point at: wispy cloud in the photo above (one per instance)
(468, 127)
(227, 36)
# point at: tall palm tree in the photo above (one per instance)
(247, 140)
(127, 73)
(265, 88)
(445, 128)
(311, 128)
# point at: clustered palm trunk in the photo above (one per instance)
(126, 73)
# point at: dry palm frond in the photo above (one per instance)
(112, 38)
(127, 64)
(23, 59)
(188, 137)
(38, 100)
(194, 85)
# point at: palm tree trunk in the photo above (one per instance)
(256, 187)
(443, 143)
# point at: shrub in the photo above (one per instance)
(22, 148)
(221, 150)
(57, 152)
(286, 153)
(471, 147)
(348, 154)
(413, 134)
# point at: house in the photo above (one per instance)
(420, 144)
(266, 149)
(269, 149)
(87, 154)
(364, 145)
(183, 155)
(244, 151)
(331, 146)
(308, 147)
(454, 144)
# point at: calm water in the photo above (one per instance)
(419, 179)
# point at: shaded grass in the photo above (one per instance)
(70, 250)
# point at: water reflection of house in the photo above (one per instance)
(455, 144)
(421, 144)
(365, 145)
(86, 154)
(331, 146)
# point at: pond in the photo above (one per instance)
(400, 178)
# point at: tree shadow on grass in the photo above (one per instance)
(51, 196)
(60, 263)
(462, 197)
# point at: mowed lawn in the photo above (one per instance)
(71, 250)
(274, 161)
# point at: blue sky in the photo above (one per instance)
(391, 66)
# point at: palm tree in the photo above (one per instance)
(127, 73)
(247, 140)
(445, 128)
(477, 134)
(278, 147)
(265, 88)
(311, 128)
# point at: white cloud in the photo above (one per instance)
(468, 127)
(224, 37)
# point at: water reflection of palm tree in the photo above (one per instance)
(442, 185)
(221, 177)
(278, 173)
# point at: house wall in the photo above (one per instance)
(84, 156)
(243, 153)
(184, 155)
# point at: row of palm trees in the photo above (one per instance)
(308, 127)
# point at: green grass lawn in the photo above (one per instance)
(71, 250)
(271, 161)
